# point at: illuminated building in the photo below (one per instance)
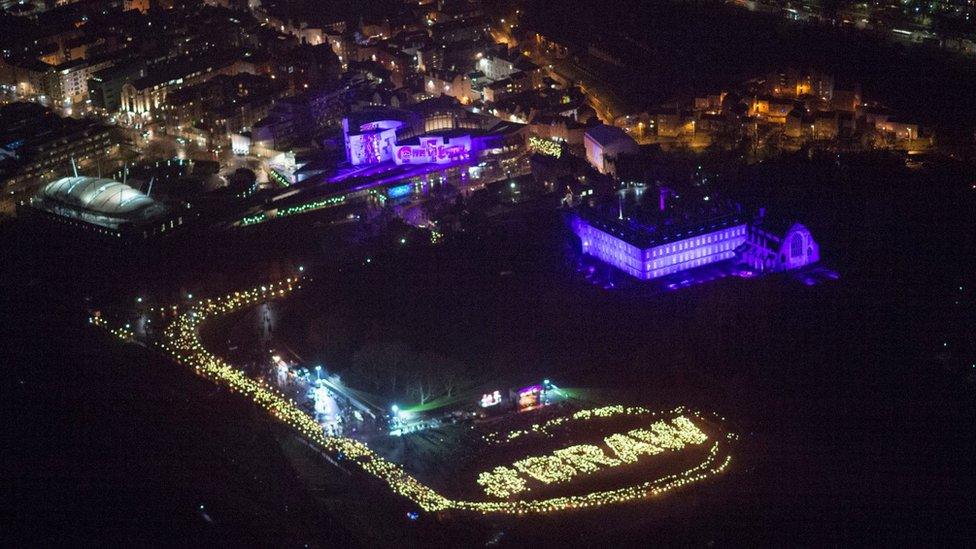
(102, 206)
(650, 252)
(437, 131)
(774, 247)
(148, 93)
(652, 249)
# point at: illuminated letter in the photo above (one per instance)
(629, 449)
(547, 469)
(688, 432)
(585, 458)
(501, 482)
(661, 435)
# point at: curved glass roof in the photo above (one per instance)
(105, 196)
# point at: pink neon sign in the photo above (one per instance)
(433, 150)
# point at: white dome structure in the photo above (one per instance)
(103, 202)
(104, 196)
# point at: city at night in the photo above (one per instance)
(462, 273)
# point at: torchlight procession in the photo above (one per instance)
(182, 343)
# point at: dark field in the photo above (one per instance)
(855, 423)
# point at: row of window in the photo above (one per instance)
(677, 256)
(696, 253)
(698, 241)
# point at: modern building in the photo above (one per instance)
(102, 206)
(148, 93)
(105, 87)
(436, 131)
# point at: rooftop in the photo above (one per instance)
(103, 196)
(605, 135)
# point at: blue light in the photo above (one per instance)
(399, 191)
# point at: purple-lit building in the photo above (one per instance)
(371, 142)
(648, 251)
(431, 132)
(771, 247)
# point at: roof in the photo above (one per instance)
(605, 135)
(645, 236)
(105, 196)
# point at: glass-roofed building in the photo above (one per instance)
(103, 205)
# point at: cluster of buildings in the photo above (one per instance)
(337, 110)
(783, 110)
(946, 24)
(101, 82)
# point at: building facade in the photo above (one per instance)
(647, 253)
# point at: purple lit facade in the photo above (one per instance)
(433, 150)
(376, 142)
(771, 250)
(646, 263)
(750, 243)
(372, 144)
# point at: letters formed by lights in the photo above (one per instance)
(491, 399)
(376, 142)
(566, 463)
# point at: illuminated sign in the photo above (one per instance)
(545, 146)
(380, 125)
(491, 399)
(433, 150)
(565, 464)
(371, 148)
(376, 142)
